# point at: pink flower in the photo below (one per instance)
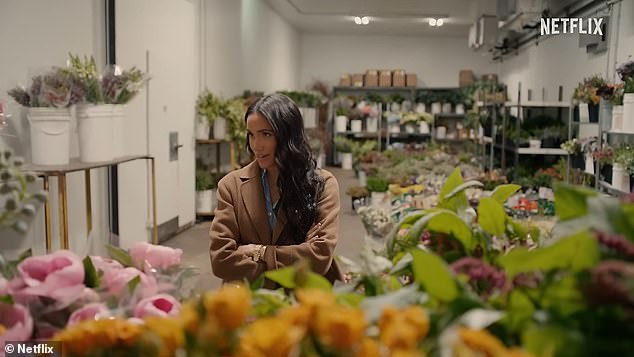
(162, 305)
(105, 264)
(158, 257)
(17, 321)
(116, 281)
(59, 275)
(88, 312)
(4, 286)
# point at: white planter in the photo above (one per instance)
(310, 117)
(423, 127)
(446, 108)
(395, 128)
(341, 123)
(628, 113)
(356, 125)
(220, 128)
(346, 160)
(605, 113)
(420, 108)
(436, 108)
(584, 114)
(363, 178)
(372, 124)
(410, 128)
(589, 164)
(534, 144)
(617, 118)
(459, 108)
(620, 178)
(50, 135)
(205, 201)
(118, 131)
(377, 198)
(441, 132)
(202, 129)
(96, 132)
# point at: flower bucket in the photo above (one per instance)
(363, 178)
(118, 130)
(436, 108)
(356, 125)
(446, 107)
(584, 115)
(346, 160)
(377, 198)
(605, 110)
(423, 127)
(617, 118)
(410, 128)
(372, 124)
(589, 164)
(310, 117)
(95, 132)
(628, 113)
(202, 129)
(441, 132)
(50, 135)
(459, 108)
(534, 144)
(341, 123)
(620, 178)
(205, 201)
(220, 128)
(395, 128)
(420, 108)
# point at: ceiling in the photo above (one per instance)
(387, 17)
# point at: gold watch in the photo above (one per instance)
(259, 253)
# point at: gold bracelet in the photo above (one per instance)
(258, 253)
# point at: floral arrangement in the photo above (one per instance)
(20, 206)
(209, 106)
(626, 70)
(377, 221)
(52, 89)
(586, 91)
(624, 156)
(604, 155)
(41, 295)
(414, 117)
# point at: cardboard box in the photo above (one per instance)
(345, 80)
(398, 78)
(385, 78)
(371, 78)
(411, 80)
(466, 78)
(491, 78)
(357, 80)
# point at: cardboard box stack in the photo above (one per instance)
(398, 78)
(357, 80)
(371, 78)
(385, 78)
(411, 80)
(466, 77)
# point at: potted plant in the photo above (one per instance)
(573, 148)
(358, 196)
(206, 186)
(342, 106)
(377, 186)
(344, 150)
(623, 168)
(605, 157)
(233, 111)
(410, 120)
(211, 107)
(585, 95)
(628, 105)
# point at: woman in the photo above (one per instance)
(279, 208)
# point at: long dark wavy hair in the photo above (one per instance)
(299, 184)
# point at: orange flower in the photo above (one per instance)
(516, 352)
(189, 317)
(296, 315)
(89, 335)
(481, 341)
(314, 298)
(403, 329)
(406, 353)
(369, 348)
(340, 327)
(269, 337)
(230, 305)
(169, 330)
(2, 329)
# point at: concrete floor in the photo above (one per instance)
(195, 241)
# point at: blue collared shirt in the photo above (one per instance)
(270, 206)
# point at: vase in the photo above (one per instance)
(356, 125)
(617, 118)
(202, 129)
(96, 132)
(220, 128)
(50, 135)
(372, 124)
(341, 123)
(346, 160)
(628, 113)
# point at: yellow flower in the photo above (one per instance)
(516, 352)
(230, 305)
(403, 329)
(340, 327)
(315, 298)
(296, 315)
(369, 348)
(481, 341)
(92, 335)
(2, 329)
(269, 337)
(406, 353)
(169, 330)
(189, 317)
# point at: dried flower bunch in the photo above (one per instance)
(52, 89)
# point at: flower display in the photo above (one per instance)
(155, 255)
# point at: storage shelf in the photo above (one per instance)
(611, 190)
(542, 151)
(369, 89)
(449, 115)
(538, 104)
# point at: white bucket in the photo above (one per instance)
(617, 118)
(341, 123)
(446, 107)
(356, 125)
(620, 178)
(220, 128)
(459, 108)
(205, 201)
(118, 131)
(310, 117)
(363, 178)
(441, 132)
(410, 128)
(321, 159)
(346, 160)
(589, 164)
(202, 129)
(584, 114)
(395, 128)
(420, 108)
(423, 127)
(50, 135)
(628, 113)
(372, 124)
(377, 198)
(534, 143)
(436, 107)
(95, 132)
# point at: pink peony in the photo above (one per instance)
(88, 312)
(116, 281)
(162, 305)
(158, 257)
(105, 264)
(17, 321)
(59, 275)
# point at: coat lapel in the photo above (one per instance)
(279, 226)
(253, 199)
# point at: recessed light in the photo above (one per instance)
(439, 22)
(357, 20)
(365, 20)
(432, 22)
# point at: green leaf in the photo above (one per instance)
(26, 254)
(571, 201)
(577, 252)
(283, 276)
(133, 283)
(119, 255)
(434, 275)
(491, 216)
(350, 299)
(448, 222)
(91, 278)
(519, 312)
(403, 223)
(257, 284)
(316, 281)
(553, 341)
(503, 192)
(373, 306)
(463, 187)
(459, 200)
(6, 299)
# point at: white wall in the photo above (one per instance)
(558, 60)
(436, 61)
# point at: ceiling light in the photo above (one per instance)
(432, 22)
(357, 20)
(365, 20)
(439, 22)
